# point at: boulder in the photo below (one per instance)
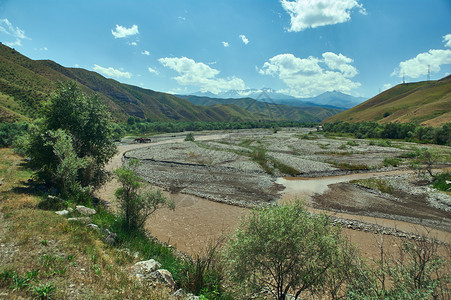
(165, 277)
(143, 269)
(62, 212)
(93, 226)
(85, 211)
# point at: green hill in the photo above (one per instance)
(269, 110)
(427, 103)
(25, 84)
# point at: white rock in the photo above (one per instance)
(62, 212)
(85, 211)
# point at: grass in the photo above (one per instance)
(375, 183)
(392, 161)
(62, 259)
(350, 167)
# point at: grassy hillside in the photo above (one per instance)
(267, 110)
(426, 103)
(25, 84)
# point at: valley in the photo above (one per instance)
(218, 177)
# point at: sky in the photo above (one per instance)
(298, 47)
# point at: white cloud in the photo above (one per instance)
(145, 52)
(244, 39)
(306, 77)
(447, 40)
(225, 44)
(111, 72)
(386, 86)
(315, 13)
(198, 74)
(152, 70)
(8, 28)
(419, 65)
(426, 61)
(17, 43)
(133, 44)
(123, 32)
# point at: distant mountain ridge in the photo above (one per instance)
(332, 99)
(26, 84)
(268, 109)
(426, 102)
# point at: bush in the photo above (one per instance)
(9, 132)
(283, 249)
(189, 137)
(390, 161)
(135, 204)
(442, 182)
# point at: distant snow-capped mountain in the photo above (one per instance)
(333, 99)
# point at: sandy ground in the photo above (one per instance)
(197, 221)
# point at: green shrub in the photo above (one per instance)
(390, 161)
(189, 137)
(442, 182)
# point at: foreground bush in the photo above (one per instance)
(284, 250)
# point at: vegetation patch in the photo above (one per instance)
(442, 182)
(376, 184)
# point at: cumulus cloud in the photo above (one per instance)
(425, 61)
(14, 31)
(152, 70)
(306, 77)
(447, 40)
(315, 13)
(244, 39)
(111, 72)
(123, 32)
(145, 52)
(192, 73)
(225, 44)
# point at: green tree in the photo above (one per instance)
(68, 163)
(136, 205)
(88, 124)
(283, 249)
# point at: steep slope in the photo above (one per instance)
(25, 84)
(427, 103)
(269, 110)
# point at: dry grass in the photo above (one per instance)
(42, 252)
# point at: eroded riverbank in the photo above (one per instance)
(220, 167)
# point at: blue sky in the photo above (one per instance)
(302, 48)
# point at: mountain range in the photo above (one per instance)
(26, 84)
(332, 99)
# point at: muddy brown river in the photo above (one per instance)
(197, 221)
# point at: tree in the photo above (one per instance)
(88, 124)
(67, 163)
(135, 204)
(283, 249)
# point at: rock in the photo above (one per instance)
(85, 211)
(111, 238)
(62, 212)
(85, 220)
(162, 276)
(143, 269)
(166, 277)
(55, 198)
(93, 226)
(180, 294)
